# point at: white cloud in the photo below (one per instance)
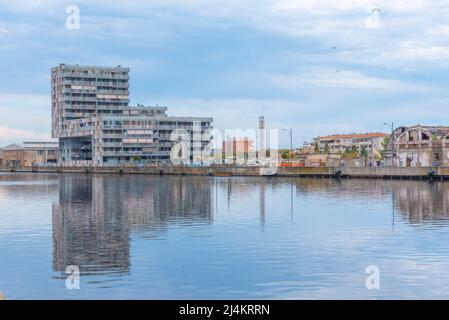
(340, 79)
(322, 77)
(12, 135)
(441, 30)
(27, 112)
(413, 52)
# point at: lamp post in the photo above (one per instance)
(291, 144)
(391, 125)
(17, 155)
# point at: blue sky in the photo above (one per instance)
(320, 67)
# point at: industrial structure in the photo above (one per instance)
(419, 146)
(261, 137)
(95, 125)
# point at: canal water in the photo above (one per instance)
(190, 237)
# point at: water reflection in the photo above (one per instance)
(416, 201)
(423, 202)
(213, 226)
(95, 216)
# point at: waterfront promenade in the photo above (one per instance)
(419, 173)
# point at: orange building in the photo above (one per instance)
(235, 148)
(29, 154)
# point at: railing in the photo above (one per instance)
(111, 144)
(112, 135)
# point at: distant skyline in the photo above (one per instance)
(319, 67)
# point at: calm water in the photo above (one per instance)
(148, 237)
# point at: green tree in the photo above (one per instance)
(316, 149)
(363, 152)
(285, 155)
(326, 149)
(385, 143)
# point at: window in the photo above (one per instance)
(40, 152)
(51, 152)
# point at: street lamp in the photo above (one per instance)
(291, 144)
(391, 125)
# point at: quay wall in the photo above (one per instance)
(317, 172)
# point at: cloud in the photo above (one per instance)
(27, 111)
(236, 59)
(346, 79)
(12, 135)
(408, 51)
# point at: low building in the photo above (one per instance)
(28, 154)
(339, 143)
(237, 148)
(420, 146)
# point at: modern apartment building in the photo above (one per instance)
(95, 125)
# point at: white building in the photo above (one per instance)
(338, 143)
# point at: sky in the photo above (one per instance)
(318, 67)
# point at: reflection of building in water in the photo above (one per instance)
(262, 201)
(96, 214)
(87, 231)
(422, 201)
(419, 201)
(351, 189)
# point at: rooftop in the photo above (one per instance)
(355, 136)
(438, 131)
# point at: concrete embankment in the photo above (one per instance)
(315, 172)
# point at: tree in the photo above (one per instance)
(363, 152)
(285, 155)
(385, 143)
(316, 149)
(326, 149)
(353, 148)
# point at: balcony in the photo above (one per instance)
(111, 144)
(112, 136)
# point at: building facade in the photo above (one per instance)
(95, 125)
(372, 142)
(420, 146)
(238, 149)
(28, 154)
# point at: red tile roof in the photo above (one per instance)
(354, 136)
